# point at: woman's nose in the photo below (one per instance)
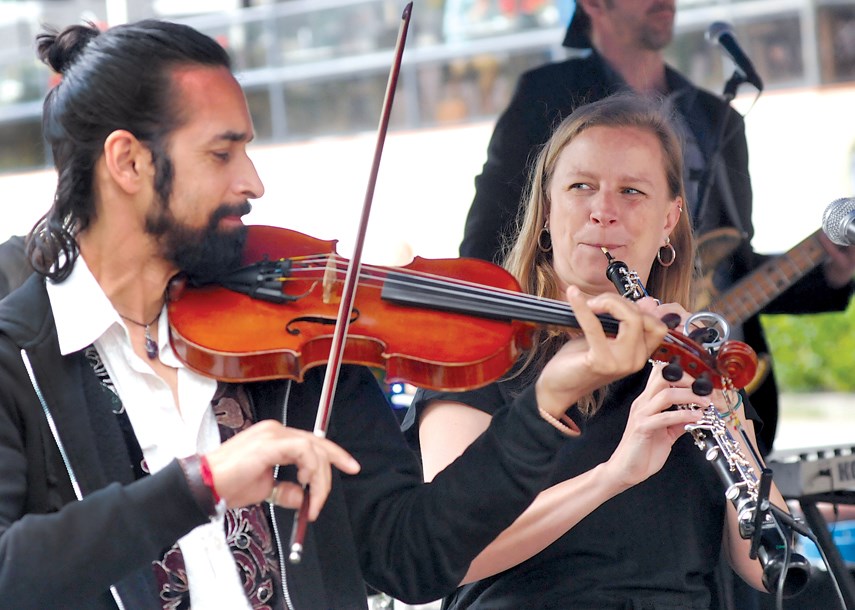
(603, 209)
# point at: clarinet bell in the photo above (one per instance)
(796, 577)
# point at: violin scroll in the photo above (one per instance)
(703, 349)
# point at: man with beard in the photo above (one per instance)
(128, 480)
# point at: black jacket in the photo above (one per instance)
(382, 526)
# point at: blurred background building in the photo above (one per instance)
(316, 68)
(315, 71)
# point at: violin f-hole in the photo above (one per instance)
(292, 330)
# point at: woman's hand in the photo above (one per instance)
(590, 362)
(652, 428)
(242, 467)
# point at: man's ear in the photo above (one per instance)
(128, 161)
(591, 6)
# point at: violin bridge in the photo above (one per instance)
(330, 273)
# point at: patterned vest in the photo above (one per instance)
(248, 531)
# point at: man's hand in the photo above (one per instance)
(594, 360)
(242, 467)
(840, 266)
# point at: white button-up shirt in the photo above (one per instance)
(84, 316)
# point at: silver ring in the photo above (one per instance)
(274, 494)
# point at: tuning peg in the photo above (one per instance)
(703, 385)
(704, 335)
(671, 320)
(672, 371)
(175, 288)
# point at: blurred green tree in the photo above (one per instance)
(813, 353)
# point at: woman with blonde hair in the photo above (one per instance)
(634, 517)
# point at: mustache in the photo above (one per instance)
(226, 210)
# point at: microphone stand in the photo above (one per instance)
(760, 511)
(730, 88)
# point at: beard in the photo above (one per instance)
(202, 255)
(658, 34)
(655, 39)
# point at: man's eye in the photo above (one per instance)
(222, 156)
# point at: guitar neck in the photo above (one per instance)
(754, 291)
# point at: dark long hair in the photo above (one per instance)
(116, 79)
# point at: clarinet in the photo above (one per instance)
(743, 488)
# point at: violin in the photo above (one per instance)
(451, 324)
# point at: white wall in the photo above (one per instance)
(424, 188)
(801, 147)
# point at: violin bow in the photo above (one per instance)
(351, 282)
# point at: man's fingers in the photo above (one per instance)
(312, 457)
(290, 495)
(586, 318)
(287, 495)
(291, 446)
(242, 466)
(341, 458)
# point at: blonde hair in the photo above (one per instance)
(532, 266)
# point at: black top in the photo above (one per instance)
(653, 546)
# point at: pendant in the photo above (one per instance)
(150, 345)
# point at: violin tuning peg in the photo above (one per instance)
(672, 371)
(704, 335)
(703, 385)
(175, 288)
(671, 320)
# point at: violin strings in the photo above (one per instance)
(492, 294)
(477, 298)
(400, 276)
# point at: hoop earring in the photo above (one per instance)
(546, 249)
(671, 256)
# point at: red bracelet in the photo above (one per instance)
(208, 477)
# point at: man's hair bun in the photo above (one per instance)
(59, 50)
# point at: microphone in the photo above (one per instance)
(838, 221)
(721, 33)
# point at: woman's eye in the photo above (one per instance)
(222, 156)
(578, 186)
